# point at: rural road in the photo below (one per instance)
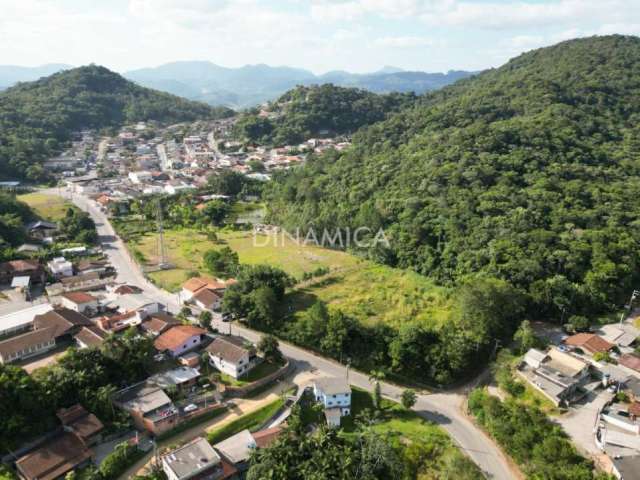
(444, 409)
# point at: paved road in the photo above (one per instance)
(445, 409)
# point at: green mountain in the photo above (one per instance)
(37, 118)
(528, 173)
(306, 112)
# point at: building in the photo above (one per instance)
(196, 459)
(60, 267)
(80, 302)
(65, 322)
(90, 337)
(149, 406)
(22, 320)
(231, 355)
(179, 339)
(86, 426)
(334, 394)
(631, 361)
(27, 345)
(196, 284)
(237, 449)
(89, 266)
(589, 343)
(54, 459)
(158, 323)
(42, 229)
(556, 374)
(207, 299)
(140, 177)
(21, 268)
(180, 378)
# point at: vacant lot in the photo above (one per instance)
(49, 207)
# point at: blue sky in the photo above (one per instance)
(319, 35)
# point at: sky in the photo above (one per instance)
(318, 35)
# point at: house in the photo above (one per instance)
(21, 320)
(630, 360)
(627, 467)
(174, 186)
(231, 355)
(27, 345)
(65, 323)
(589, 343)
(55, 458)
(83, 424)
(334, 394)
(179, 339)
(80, 302)
(29, 248)
(556, 374)
(122, 321)
(180, 378)
(60, 267)
(42, 229)
(140, 177)
(207, 299)
(196, 459)
(149, 406)
(21, 268)
(158, 323)
(195, 284)
(237, 449)
(89, 266)
(127, 290)
(89, 337)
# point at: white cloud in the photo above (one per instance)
(404, 42)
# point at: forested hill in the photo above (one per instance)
(36, 118)
(528, 172)
(305, 112)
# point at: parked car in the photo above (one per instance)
(190, 408)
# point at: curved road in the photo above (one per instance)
(444, 409)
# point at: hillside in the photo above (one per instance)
(528, 173)
(36, 118)
(255, 84)
(306, 112)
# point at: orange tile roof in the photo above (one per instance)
(79, 297)
(176, 336)
(634, 409)
(590, 342)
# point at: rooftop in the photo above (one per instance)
(79, 297)
(589, 341)
(229, 348)
(23, 317)
(192, 458)
(238, 447)
(630, 361)
(174, 377)
(176, 336)
(55, 458)
(144, 398)
(332, 385)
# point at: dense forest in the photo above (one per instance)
(37, 118)
(305, 112)
(527, 173)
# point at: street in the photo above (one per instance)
(444, 409)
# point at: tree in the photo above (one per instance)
(376, 376)
(270, 348)
(525, 337)
(408, 398)
(226, 182)
(216, 211)
(578, 323)
(223, 262)
(205, 319)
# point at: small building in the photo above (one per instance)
(589, 343)
(196, 459)
(334, 394)
(231, 355)
(82, 302)
(21, 268)
(630, 360)
(158, 323)
(90, 337)
(42, 229)
(149, 406)
(237, 449)
(60, 267)
(55, 458)
(179, 339)
(191, 359)
(89, 266)
(180, 378)
(83, 424)
(196, 284)
(65, 322)
(207, 299)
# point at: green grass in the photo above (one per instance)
(193, 422)
(255, 374)
(49, 207)
(250, 421)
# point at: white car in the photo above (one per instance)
(190, 408)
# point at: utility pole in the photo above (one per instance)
(162, 251)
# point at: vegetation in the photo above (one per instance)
(525, 173)
(78, 226)
(251, 421)
(539, 446)
(222, 263)
(89, 377)
(269, 347)
(304, 112)
(37, 118)
(14, 214)
(48, 207)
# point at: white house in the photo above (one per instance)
(179, 339)
(140, 176)
(230, 355)
(60, 267)
(173, 187)
(79, 301)
(207, 299)
(196, 459)
(335, 396)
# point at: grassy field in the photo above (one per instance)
(251, 421)
(186, 248)
(398, 295)
(49, 207)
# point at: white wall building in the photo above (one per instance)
(61, 267)
(229, 355)
(335, 396)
